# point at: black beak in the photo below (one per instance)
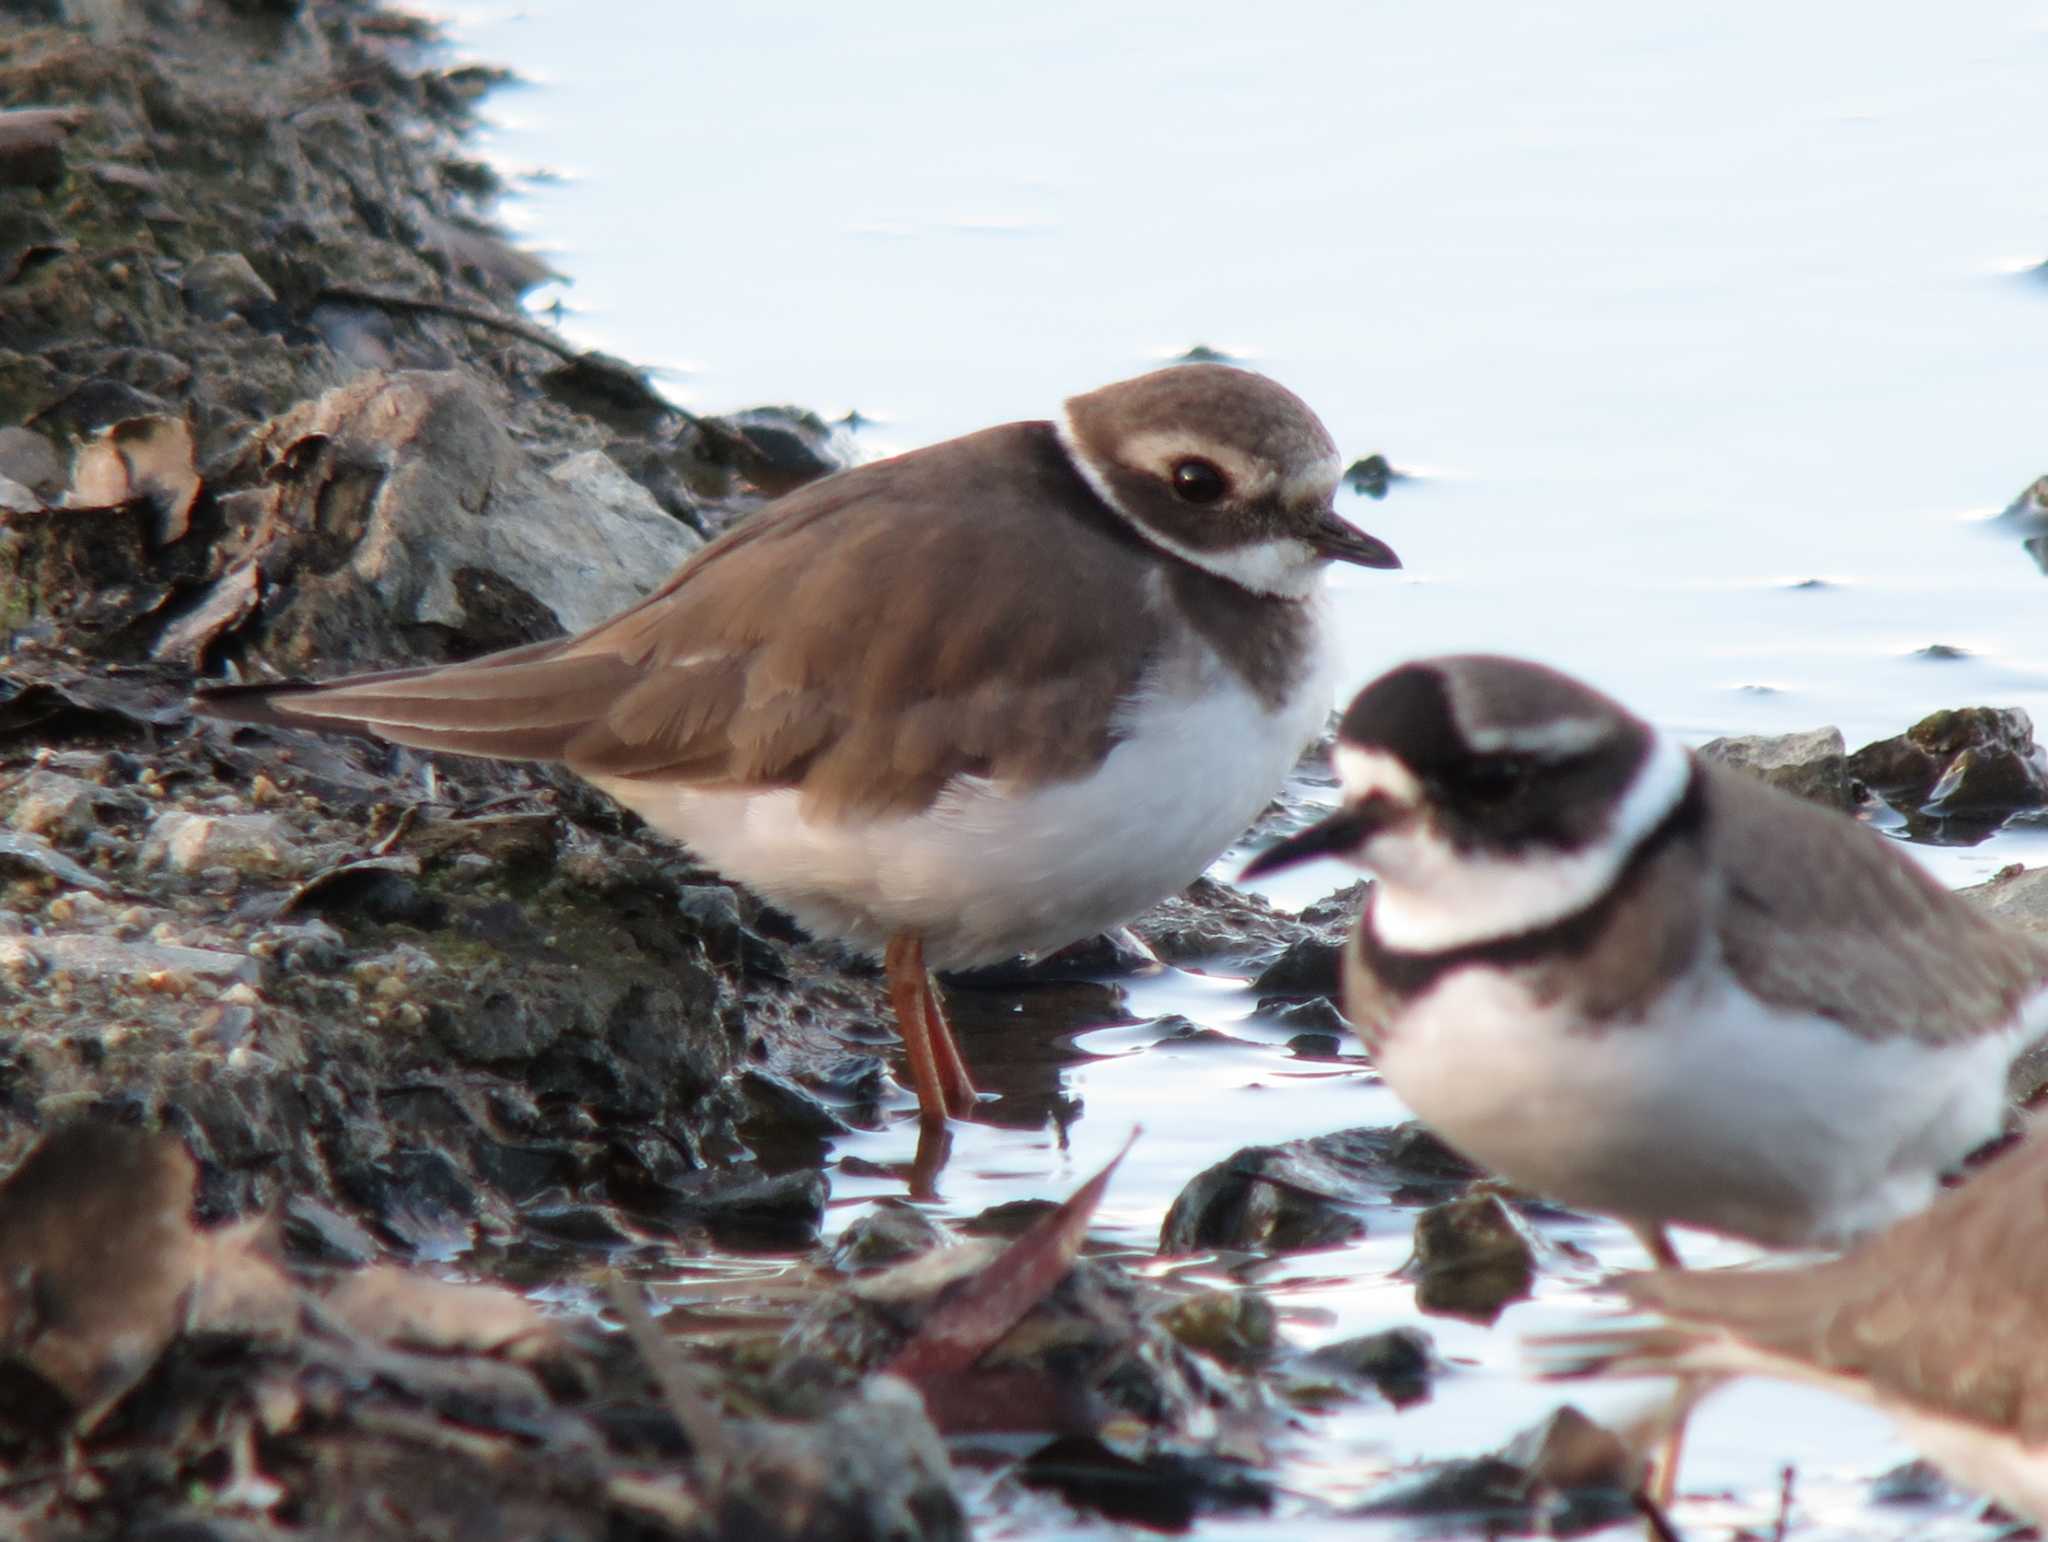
(1344, 831)
(1341, 541)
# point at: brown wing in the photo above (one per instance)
(1946, 1308)
(1854, 929)
(858, 639)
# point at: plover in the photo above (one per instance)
(1940, 1321)
(1651, 986)
(977, 700)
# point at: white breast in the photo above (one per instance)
(1718, 1111)
(991, 871)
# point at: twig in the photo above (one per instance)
(692, 1410)
(1784, 1520)
(496, 320)
(1656, 1524)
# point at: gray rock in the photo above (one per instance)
(17, 499)
(455, 511)
(247, 843)
(108, 959)
(223, 285)
(2017, 897)
(1812, 765)
(30, 459)
(32, 851)
(51, 804)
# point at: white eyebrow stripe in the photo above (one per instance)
(1559, 739)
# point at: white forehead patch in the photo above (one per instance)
(1364, 772)
(1314, 483)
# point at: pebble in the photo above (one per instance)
(239, 843)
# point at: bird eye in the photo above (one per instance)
(1198, 481)
(1494, 780)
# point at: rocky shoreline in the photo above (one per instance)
(298, 1022)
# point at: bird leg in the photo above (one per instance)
(936, 1069)
(1664, 1469)
(961, 1097)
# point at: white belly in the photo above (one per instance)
(1718, 1112)
(986, 872)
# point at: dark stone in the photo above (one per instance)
(1163, 1491)
(887, 1232)
(1975, 765)
(1471, 1258)
(1398, 1362)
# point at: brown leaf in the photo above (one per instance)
(982, 1309)
(150, 458)
(97, 1256)
(388, 1304)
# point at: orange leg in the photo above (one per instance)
(961, 1099)
(1664, 1470)
(936, 1070)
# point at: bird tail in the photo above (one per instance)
(524, 704)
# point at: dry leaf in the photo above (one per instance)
(150, 458)
(981, 1310)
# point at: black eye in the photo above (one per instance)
(1198, 481)
(1494, 780)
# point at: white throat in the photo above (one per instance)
(1285, 568)
(1431, 898)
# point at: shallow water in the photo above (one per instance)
(1667, 314)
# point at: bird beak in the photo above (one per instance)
(1338, 835)
(1341, 541)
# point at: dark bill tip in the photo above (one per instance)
(1342, 541)
(1344, 831)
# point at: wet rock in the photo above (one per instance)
(786, 447)
(245, 843)
(1238, 1328)
(744, 1210)
(1399, 1363)
(1564, 1476)
(1567, 1450)
(1918, 1482)
(872, 1469)
(1307, 1193)
(1472, 1258)
(1217, 927)
(1159, 1489)
(1483, 1492)
(2028, 516)
(1974, 763)
(1009, 1218)
(1312, 963)
(1370, 476)
(888, 1232)
(1812, 765)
